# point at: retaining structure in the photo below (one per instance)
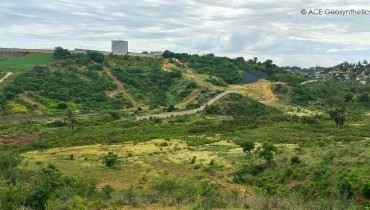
(188, 112)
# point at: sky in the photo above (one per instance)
(267, 29)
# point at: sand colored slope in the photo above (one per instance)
(260, 91)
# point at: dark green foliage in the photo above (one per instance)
(345, 187)
(366, 189)
(247, 145)
(338, 115)
(216, 81)
(348, 97)
(95, 67)
(60, 53)
(364, 97)
(8, 161)
(267, 152)
(113, 115)
(295, 160)
(96, 56)
(62, 105)
(8, 164)
(330, 93)
(242, 175)
(148, 83)
(107, 191)
(171, 108)
(238, 105)
(164, 144)
(193, 159)
(80, 87)
(309, 120)
(70, 119)
(110, 159)
(226, 69)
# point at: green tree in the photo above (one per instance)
(338, 115)
(267, 152)
(60, 53)
(247, 145)
(96, 56)
(70, 118)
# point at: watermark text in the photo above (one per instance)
(338, 12)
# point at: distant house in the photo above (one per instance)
(363, 82)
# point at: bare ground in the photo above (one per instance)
(18, 140)
(120, 87)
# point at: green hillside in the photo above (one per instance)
(25, 62)
(289, 145)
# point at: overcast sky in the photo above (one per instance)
(267, 29)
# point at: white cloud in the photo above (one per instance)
(267, 29)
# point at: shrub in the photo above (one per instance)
(295, 160)
(366, 189)
(309, 120)
(192, 161)
(110, 159)
(62, 105)
(345, 187)
(164, 144)
(107, 191)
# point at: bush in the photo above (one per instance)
(295, 160)
(366, 189)
(62, 105)
(309, 120)
(110, 160)
(95, 67)
(345, 187)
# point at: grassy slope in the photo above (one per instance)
(25, 62)
(326, 152)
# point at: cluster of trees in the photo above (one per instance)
(238, 105)
(148, 82)
(338, 93)
(228, 70)
(65, 81)
(266, 151)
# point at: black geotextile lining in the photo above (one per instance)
(253, 76)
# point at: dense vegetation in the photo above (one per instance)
(238, 153)
(149, 83)
(325, 94)
(228, 70)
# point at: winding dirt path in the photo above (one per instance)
(6, 77)
(191, 111)
(120, 87)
